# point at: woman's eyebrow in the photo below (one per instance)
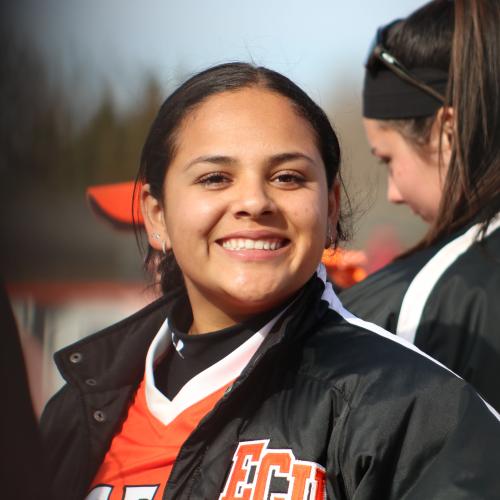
(285, 157)
(273, 160)
(215, 159)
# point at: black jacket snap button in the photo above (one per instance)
(75, 357)
(99, 416)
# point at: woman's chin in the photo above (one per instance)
(254, 299)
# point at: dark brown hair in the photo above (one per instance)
(462, 37)
(160, 146)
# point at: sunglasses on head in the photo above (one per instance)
(379, 54)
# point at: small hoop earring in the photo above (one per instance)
(163, 247)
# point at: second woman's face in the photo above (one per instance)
(412, 179)
(245, 202)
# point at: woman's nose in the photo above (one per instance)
(253, 200)
(393, 193)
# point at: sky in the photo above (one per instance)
(320, 44)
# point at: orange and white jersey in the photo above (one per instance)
(143, 452)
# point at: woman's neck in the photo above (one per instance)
(211, 316)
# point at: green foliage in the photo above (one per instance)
(108, 147)
(43, 144)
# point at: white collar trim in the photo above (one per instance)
(206, 382)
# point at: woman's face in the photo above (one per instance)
(246, 205)
(413, 179)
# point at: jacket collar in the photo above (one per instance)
(115, 357)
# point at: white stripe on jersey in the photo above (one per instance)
(334, 303)
(421, 287)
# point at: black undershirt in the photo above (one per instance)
(189, 355)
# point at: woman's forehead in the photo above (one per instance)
(250, 116)
(231, 102)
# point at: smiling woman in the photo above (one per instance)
(248, 379)
(245, 206)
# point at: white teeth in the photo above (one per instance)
(247, 244)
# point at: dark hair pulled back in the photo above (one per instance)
(463, 38)
(160, 145)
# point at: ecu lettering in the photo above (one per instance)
(306, 480)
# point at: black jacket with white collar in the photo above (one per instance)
(329, 405)
(446, 300)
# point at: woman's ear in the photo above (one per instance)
(333, 213)
(443, 133)
(441, 140)
(334, 202)
(154, 220)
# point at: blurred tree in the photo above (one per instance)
(49, 155)
(108, 147)
(30, 118)
(44, 147)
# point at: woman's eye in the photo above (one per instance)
(289, 178)
(214, 179)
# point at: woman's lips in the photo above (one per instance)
(234, 244)
(257, 248)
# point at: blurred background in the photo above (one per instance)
(80, 84)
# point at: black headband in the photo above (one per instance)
(386, 96)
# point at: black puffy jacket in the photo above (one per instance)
(446, 300)
(381, 420)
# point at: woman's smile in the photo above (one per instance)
(254, 245)
(247, 244)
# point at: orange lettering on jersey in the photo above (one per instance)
(247, 454)
(255, 466)
(301, 479)
(273, 461)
